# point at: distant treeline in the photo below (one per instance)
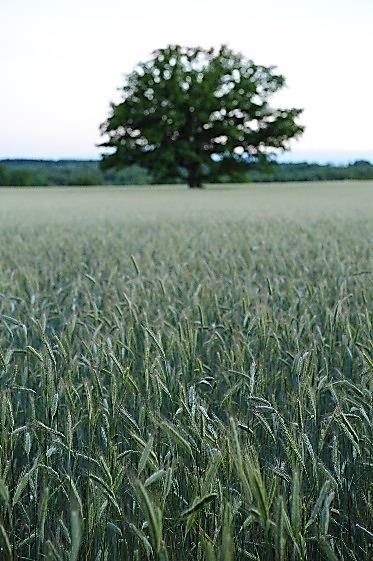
(25, 173)
(67, 172)
(304, 171)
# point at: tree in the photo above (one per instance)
(19, 177)
(196, 114)
(3, 175)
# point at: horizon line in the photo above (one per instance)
(280, 160)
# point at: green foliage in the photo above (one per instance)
(65, 172)
(3, 175)
(305, 171)
(197, 114)
(186, 381)
(20, 176)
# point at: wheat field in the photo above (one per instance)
(186, 375)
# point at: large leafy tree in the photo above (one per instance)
(197, 114)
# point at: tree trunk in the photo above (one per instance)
(194, 178)
(195, 184)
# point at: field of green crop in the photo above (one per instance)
(186, 375)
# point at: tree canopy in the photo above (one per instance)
(197, 114)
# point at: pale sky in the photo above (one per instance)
(61, 62)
